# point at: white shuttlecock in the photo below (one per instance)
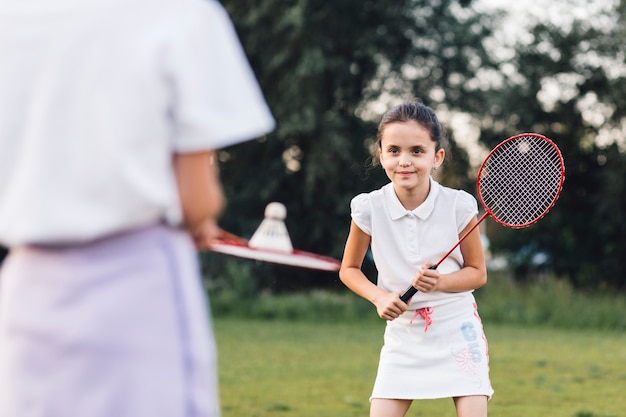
(272, 232)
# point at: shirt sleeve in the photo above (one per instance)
(466, 209)
(361, 212)
(216, 98)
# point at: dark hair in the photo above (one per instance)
(411, 111)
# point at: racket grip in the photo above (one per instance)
(411, 291)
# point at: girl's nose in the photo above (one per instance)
(404, 161)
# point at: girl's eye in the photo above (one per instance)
(393, 150)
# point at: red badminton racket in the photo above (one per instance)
(518, 183)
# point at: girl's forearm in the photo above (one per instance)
(467, 279)
(356, 281)
(199, 187)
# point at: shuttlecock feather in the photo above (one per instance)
(272, 232)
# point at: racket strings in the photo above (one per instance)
(520, 180)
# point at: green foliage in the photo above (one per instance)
(321, 65)
(566, 85)
(311, 305)
(328, 70)
(547, 302)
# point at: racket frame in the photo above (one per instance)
(230, 244)
(411, 290)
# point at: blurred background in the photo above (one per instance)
(489, 68)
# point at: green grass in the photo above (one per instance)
(276, 368)
(305, 369)
(557, 373)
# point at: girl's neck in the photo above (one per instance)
(412, 198)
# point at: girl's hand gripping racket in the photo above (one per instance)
(518, 183)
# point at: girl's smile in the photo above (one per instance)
(408, 154)
(404, 174)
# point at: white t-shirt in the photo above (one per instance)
(96, 96)
(404, 240)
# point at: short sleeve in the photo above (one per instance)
(361, 212)
(466, 209)
(217, 100)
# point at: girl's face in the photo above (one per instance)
(408, 155)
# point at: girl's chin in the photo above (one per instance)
(408, 186)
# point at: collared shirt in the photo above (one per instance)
(404, 240)
(96, 96)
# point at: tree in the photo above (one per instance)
(325, 68)
(570, 84)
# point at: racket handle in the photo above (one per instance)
(411, 291)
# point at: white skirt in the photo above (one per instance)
(443, 359)
(118, 327)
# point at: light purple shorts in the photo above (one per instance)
(114, 328)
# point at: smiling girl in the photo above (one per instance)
(434, 346)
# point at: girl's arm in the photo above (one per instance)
(200, 193)
(388, 305)
(472, 276)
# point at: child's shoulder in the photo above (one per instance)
(371, 195)
(451, 191)
(453, 194)
(371, 201)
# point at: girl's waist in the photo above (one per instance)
(442, 301)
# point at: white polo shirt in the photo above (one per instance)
(96, 95)
(403, 240)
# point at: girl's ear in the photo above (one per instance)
(440, 155)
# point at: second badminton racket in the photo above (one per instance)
(518, 183)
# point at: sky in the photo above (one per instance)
(520, 14)
(561, 12)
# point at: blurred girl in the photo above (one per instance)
(111, 112)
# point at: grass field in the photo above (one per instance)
(306, 369)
